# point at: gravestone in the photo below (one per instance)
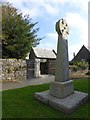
(61, 94)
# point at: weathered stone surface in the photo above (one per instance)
(37, 68)
(67, 104)
(13, 69)
(61, 89)
(62, 28)
(62, 63)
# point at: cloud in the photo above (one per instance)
(82, 4)
(52, 36)
(47, 45)
(36, 7)
(42, 7)
(26, 7)
(51, 9)
(75, 20)
(50, 41)
(79, 23)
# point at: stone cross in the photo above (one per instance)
(62, 86)
(62, 63)
(61, 94)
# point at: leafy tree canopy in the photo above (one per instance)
(18, 33)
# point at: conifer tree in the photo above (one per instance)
(18, 33)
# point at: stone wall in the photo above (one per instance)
(13, 69)
(18, 69)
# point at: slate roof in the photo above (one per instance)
(83, 53)
(44, 53)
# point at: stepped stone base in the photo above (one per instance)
(67, 104)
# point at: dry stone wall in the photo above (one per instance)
(13, 69)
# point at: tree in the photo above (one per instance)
(18, 33)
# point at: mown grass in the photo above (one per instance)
(20, 103)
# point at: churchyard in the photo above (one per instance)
(62, 98)
(66, 96)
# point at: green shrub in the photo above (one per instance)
(73, 68)
(80, 65)
(83, 65)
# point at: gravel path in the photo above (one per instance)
(13, 85)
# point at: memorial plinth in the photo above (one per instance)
(61, 94)
(61, 89)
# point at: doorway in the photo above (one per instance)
(43, 68)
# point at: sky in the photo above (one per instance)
(48, 12)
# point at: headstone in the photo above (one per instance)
(61, 94)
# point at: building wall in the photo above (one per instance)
(36, 64)
(51, 66)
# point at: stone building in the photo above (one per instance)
(43, 61)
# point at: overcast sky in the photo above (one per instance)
(48, 12)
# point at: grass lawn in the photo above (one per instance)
(20, 103)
